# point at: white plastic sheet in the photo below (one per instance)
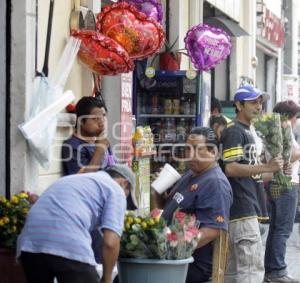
(46, 102)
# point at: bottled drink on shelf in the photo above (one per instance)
(170, 130)
(176, 106)
(156, 130)
(193, 107)
(154, 104)
(187, 107)
(181, 131)
(168, 107)
(182, 100)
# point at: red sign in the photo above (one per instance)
(126, 117)
(272, 27)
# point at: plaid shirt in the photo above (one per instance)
(274, 190)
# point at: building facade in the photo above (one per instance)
(255, 55)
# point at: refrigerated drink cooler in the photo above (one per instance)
(171, 104)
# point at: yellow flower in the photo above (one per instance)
(7, 203)
(3, 199)
(14, 228)
(23, 195)
(127, 226)
(14, 220)
(25, 210)
(137, 220)
(14, 200)
(5, 219)
(144, 225)
(157, 219)
(151, 222)
(129, 220)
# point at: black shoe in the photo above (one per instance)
(284, 279)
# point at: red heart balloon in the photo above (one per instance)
(140, 35)
(102, 54)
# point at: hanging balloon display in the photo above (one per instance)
(207, 46)
(140, 36)
(102, 54)
(151, 8)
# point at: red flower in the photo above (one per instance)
(179, 215)
(172, 237)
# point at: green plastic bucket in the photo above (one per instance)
(134, 270)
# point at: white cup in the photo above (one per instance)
(168, 176)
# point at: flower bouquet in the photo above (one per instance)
(276, 136)
(150, 237)
(286, 129)
(13, 213)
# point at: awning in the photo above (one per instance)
(231, 27)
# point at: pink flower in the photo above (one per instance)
(193, 218)
(155, 213)
(190, 234)
(172, 238)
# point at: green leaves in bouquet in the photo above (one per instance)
(277, 140)
(150, 237)
(270, 127)
(143, 237)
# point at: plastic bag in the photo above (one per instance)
(46, 102)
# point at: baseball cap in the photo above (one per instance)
(127, 173)
(247, 93)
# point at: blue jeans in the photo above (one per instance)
(283, 211)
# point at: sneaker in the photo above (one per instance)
(283, 279)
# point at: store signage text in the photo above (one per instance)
(270, 27)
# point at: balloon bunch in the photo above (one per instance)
(123, 34)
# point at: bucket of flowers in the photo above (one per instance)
(152, 251)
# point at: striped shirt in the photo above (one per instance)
(60, 222)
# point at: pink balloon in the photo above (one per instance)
(151, 8)
(207, 46)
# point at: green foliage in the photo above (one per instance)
(150, 237)
(276, 133)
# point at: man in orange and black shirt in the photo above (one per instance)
(245, 263)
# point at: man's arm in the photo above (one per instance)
(110, 252)
(234, 169)
(207, 235)
(295, 155)
(97, 159)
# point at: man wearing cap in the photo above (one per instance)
(56, 240)
(283, 207)
(242, 167)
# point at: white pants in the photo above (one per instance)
(245, 261)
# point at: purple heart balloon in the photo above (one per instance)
(152, 8)
(207, 46)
